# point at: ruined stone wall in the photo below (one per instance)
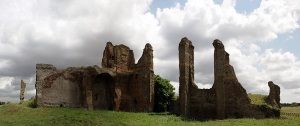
(134, 83)
(119, 85)
(226, 99)
(186, 68)
(193, 102)
(59, 87)
(118, 57)
(95, 85)
(22, 91)
(42, 71)
(145, 74)
(103, 92)
(66, 94)
(108, 59)
(274, 95)
(231, 96)
(202, 103)
(219, 62)
(72, 87)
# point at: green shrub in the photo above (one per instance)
(2, 103)
(164, 94)
(260, 101)
(269, 111)
(31, 104)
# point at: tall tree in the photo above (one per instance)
(164, 94)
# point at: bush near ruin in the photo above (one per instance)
(164, 94)
(260, 102)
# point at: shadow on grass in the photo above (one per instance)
(181, 118)
(160, 113)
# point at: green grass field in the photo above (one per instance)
(17, 114)
(291, 110)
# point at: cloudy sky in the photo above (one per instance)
(261, 36)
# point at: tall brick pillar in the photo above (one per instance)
(219, 60)
(186, 71)
(149, 80)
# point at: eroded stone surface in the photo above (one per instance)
(119, 85)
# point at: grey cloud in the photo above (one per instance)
(30, 83)
(286, 84)
(204, 66)
(168, 69)
(8, 93)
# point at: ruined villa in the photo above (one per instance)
(120, 84)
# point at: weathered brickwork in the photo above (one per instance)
(226, 99)
(119, 85)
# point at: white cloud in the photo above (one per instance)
(279, 61)
(176, 86)
(228, 4)
(10, 88)
(253, 48)
(6, 82)
(289, 38)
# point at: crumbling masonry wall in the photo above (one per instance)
(226, 99)
(119, 85)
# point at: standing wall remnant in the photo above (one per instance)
(186, 66)
(220, 57)
(119, 85)
(22, 91)
(226, 99)
(274, 95)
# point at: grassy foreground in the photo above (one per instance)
(16, 114)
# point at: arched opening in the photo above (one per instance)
(102, 88)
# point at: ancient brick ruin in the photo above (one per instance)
(122, 84)
(22, 91)
(119, 85)
(226, 99)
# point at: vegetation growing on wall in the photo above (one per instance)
(259, 101)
